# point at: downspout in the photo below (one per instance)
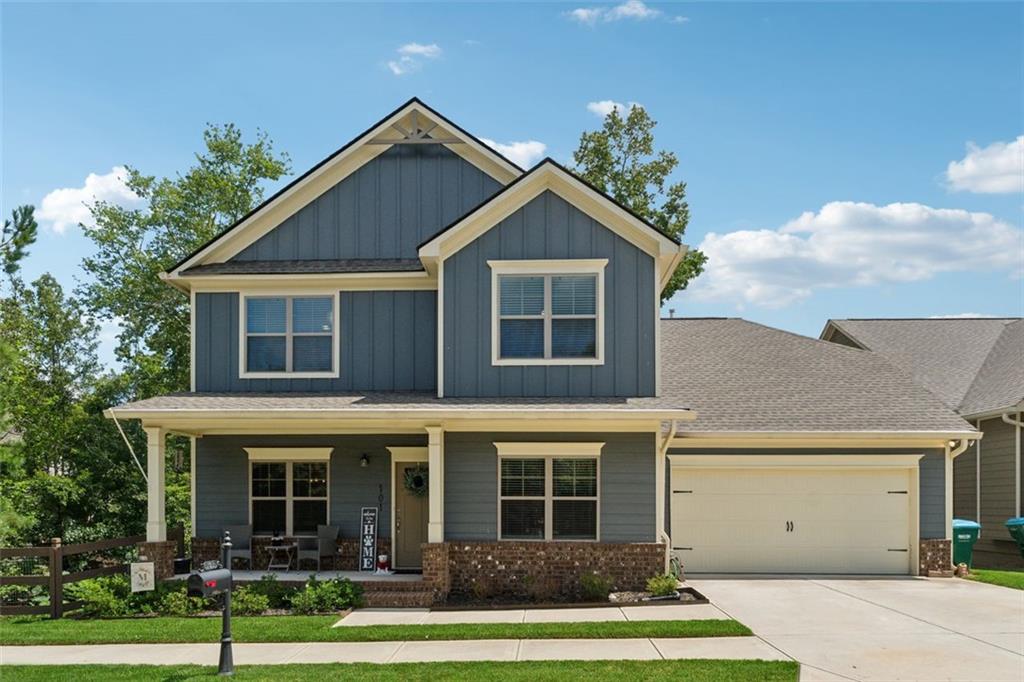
(1016, 461)
(951, 454)
(660, 492)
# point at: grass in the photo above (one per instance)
(27, 631)
(1012, 579)
(478, 671)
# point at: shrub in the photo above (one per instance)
(662, 585)
(320, 596)
(178, 603)
(595, 587)
(102, 597)
(278, 595)
(247, 602)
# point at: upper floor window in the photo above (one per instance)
(289, 335)
(548, 312)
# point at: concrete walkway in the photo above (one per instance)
(590, 615)
(881, 628)
(398, 652)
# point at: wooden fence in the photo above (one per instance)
(56, 578)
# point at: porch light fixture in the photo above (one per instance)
(364, 461)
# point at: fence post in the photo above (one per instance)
(56, 578)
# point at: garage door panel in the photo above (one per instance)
(792, 520)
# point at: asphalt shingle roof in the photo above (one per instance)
(742, 376)
(973, 365)
(295, 267)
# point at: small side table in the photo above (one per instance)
(281, 557)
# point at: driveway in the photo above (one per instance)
(881, 628)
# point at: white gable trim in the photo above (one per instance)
(356, 154)
(549, 177)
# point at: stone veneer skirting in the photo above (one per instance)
(935, 556)
(539, 571)
(207, 549)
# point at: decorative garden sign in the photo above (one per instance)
(368, 539)
(143, 576)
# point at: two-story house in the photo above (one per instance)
(417, 325)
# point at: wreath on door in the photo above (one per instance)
(417, 481)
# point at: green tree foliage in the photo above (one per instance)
(134, 245)
(17, 235)
(620, 159)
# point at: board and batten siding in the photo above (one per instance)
(549, 227)
(626, 483)
(388, 343)
(385, 209)
(222, 478)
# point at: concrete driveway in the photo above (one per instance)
(881, 628)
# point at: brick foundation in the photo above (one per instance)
(347, 559)
(534, 570)
(936, 558)
(162, 554)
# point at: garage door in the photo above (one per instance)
(797, 520)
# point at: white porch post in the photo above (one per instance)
(156, 519)
(435, 462)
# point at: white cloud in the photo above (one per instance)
(960, 316)
(409, 56)
(524, 153)
(848, 244)
(995, 169)
(679, 19)
(67, 207)
(605, 107)
(631, 9)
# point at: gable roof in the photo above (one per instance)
(974, 365)
(740, 376)
(343, 162)
(550, 175)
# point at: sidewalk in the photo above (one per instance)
(594, 614)
(398, 652)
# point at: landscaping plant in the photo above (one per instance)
(662, 585)
(595, 587)
(323, 596)
(245, 601)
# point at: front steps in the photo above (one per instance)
(386, 594)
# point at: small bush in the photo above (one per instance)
(102, 597)
(247, 602)
(178, 603)
(279, 595)
(595, 587)
(662, 585)
(321, 596)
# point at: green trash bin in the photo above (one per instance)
(1016, 528)
(965, 534)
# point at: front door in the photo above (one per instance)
(410, 515)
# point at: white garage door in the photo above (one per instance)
(796, 520)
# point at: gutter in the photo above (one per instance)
(659, 493)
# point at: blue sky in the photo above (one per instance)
(816, 139)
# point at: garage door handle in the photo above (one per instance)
(899, 550)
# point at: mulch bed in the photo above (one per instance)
(688, 595)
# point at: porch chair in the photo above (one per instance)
(241, 544)
(324, 544)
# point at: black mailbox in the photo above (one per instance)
(209, 583)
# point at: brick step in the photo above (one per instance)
(394, 599)
(393, 585)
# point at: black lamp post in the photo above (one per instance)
(226, 665)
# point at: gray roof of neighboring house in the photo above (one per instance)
(298, 267)
(742, 376)
(974, 365)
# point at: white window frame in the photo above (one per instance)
(549, 452)
(289, 457)
(547, 269)
(288, 373)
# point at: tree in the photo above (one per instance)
(620, 160)
(135, 244)
(17, 235)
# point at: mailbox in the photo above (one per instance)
(209, 583)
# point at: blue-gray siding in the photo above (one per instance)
(548, 227)
(627, 484)
(388, 341)
(222, 478)
(385, 209)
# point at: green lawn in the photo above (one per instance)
(318, 629)
(1014, 579)
(531, 671)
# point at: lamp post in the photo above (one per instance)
(226, 665)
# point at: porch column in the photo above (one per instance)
(156, 519)
(435, 461)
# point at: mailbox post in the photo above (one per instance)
(214, 581)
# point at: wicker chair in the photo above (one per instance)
(325, 544)
(241, 544)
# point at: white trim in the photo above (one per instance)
(192, 481)
(547, 269)
(289, 499)
(769, 461)
(657, 333)
(192, 340)
(548, 452)
(381, 281)
(399, 455)
(243, 372)
(435, 465)
(440, 329)
(289, 454)
(977, 476)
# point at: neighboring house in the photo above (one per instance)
(417, 302)
(976, 366)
